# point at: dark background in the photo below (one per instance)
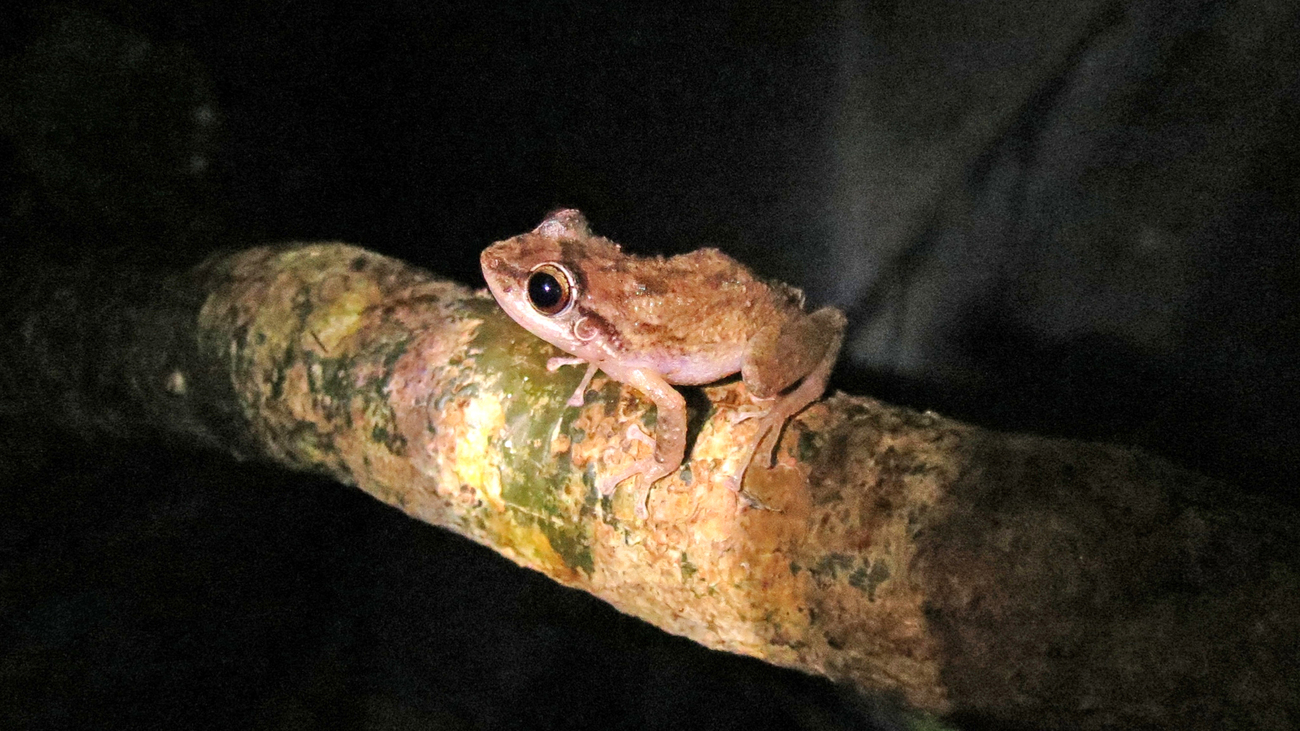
(1069, 218)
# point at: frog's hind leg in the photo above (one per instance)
(772, 423)
(736, 482)
(831, 322)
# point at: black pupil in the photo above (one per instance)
(545, 291)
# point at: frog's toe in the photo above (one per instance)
(735, 482)
(643, 505)
(637, 434)
(766, 450)
(757, 410)
(608, 484)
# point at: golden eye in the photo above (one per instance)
(550, 289)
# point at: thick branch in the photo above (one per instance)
(1011, 578)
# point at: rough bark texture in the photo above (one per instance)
(995, 577)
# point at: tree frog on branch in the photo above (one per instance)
(654, 322)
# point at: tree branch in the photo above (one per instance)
(1006, 578)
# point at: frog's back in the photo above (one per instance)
(699, 301)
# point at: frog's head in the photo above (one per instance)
(538, 279)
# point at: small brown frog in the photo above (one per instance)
(652, 322)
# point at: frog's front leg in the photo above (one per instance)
(670, 430)
(579, 396)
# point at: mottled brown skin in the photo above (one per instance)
(652, 322)
(653, 308)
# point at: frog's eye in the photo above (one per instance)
(550, 289)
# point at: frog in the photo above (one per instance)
(655, 322)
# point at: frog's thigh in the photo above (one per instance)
(782, 353)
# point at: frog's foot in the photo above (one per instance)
(645, 472)
(637, 434)
(756, 410)
(764, 444)
(769, 438)
(749, 501)
(648, 471)
(756, 446)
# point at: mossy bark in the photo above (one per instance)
(991, 576)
